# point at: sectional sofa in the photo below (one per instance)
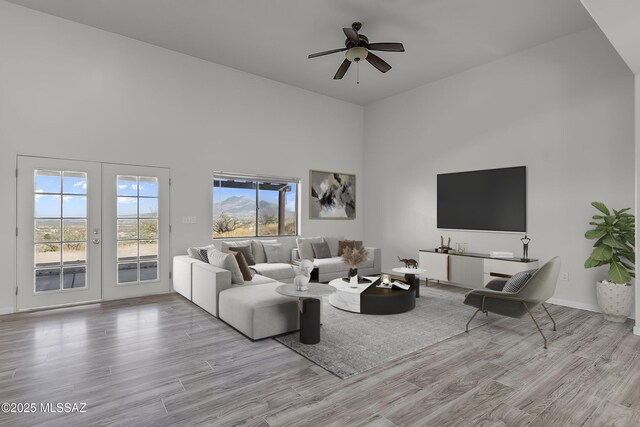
(254, 307)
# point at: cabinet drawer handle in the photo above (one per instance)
(501, 275)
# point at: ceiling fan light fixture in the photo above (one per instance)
(357, 54)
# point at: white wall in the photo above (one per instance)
(564, 109)
(636, 329)
(72, 91)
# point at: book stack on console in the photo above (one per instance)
(500, 254)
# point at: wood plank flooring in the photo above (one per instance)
(163, 361)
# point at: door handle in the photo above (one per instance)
(96, 241)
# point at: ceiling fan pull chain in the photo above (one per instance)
(357, 72)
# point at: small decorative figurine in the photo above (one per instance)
(303, 275)
(525, 247)
(444, 249)
(409, 262)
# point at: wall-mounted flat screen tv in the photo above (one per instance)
(488, 200)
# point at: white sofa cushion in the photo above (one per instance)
(259, 311)
(333, 244)
(335, 265)
(228, 262)
(258, 250)
(277, 271)
(258, 279)
(305, 251)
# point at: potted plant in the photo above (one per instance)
(354, 258)
(615, 235)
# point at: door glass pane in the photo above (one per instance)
(148, 186)
(148, 228)
(74, 206)
(148, 208)
(148, 249)
(74, 277)
(47, 181)
(149, 270)
(127, 185)
(74, 182)
(128, 273)
(127, 207)
(47, 279)
(47, 255)
(137, 228)
(74, 253)
(47, 230)
(128, 250)
(47, 206)
(66, 245)
(74, 230)
(127, 229)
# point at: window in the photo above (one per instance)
(137, 229)
(250, 206)
(60, 230)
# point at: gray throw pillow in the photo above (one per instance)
(246, 252)
(258, 250)
(228, 262)
(274, 252)
(305, 251)
(518, 280)
(321, 250)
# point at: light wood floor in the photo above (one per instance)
(163, 361)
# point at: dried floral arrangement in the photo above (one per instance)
(355, 257)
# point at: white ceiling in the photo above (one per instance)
(620, 21)
(272, 38)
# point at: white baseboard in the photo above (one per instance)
(6, 310)
(579, 305)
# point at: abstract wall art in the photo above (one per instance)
(333, 195)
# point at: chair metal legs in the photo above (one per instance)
(550, 317)
(474, 315)
(536, 323)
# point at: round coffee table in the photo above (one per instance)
(369, 299)
(410, 276)
(308, 308)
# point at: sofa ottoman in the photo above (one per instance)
(258, 311)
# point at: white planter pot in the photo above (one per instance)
(614, 301)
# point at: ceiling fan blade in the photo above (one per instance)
(352, 35)
(387, 47)
(378, 62)
(326, 52)
(342, 70)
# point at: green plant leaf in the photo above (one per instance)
(595, 234)
(617, 273)
(613, 242)
(601, 207)
(602, 253)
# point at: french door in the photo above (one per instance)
(88, 231)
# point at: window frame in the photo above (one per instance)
(257, 180)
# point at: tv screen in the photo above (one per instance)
(491, 200)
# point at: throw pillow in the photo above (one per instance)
(246, 251)
(258, 250)
(343, 244)
(242, 263)
(518, 280)
(199, 253)
(226, 261)
(305, 250)
(227, 245)
(274, 252)
(333, 244)
(321, 250)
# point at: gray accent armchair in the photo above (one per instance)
(535, 292)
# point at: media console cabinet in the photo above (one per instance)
(470, 269)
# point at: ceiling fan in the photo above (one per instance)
(358, 48)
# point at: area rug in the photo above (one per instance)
(352, 343)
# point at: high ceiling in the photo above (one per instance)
(272, 38)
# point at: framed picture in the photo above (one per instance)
(332, 195)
